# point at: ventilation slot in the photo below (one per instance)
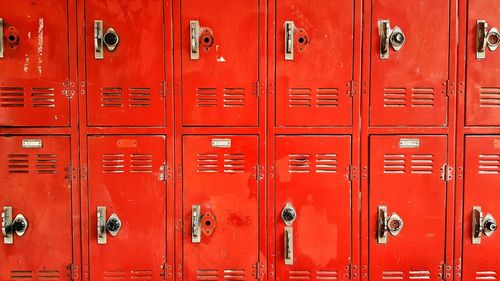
(421, 164)
(113, 163)
(299, 163)
(299, 97)
(394, 163)
(114, 274)
(234, 163)
(422, 97)
(486, 275)
(326, 163)
(420, 275)
(18, 163)
(140, 97)
(299, 275)
(141, 274)
(43, 97)
(326, 275)
(394, 97)
(11, 97)
(206, 163)
(207, 274)
(141, 163)
(234, 274)
(489, 97)
(392, 275)
(489, 164)
(327, 97)
(48, 274)
(112, 97)
(21, 274)
(206, 97)
(234, 97)
(46, 163)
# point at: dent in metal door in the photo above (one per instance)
(127, 205)
(220, 207)
(483, 58)
(314, 62)
(35, 201)
(407, 206)
(313, 207)
(34, 63)
(481, 208)
(409, 63)
(125, 62)
(220, 52)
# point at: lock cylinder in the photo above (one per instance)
(111, 39)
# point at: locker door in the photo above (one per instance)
(408, 86)
(220, 207)
(408, 242)
(34, 185)
(314, 62)
(220, 52)
(128, 201)
(482, 178)
(311, 185)
(125, 62)
(483, 87)
(34, 63)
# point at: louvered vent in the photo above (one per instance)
(489, 164)
(489, 97)
(394, 163)
(21, 275)
(207, 274)
(299, 163)
(299, 97)
(234, 97)
(395, 97)
(227, 97)
(392, 275)
(206, 97)
(305, 97)
(327, 275)
(326, 163)
(121, 163)
(141, 274)
(422, 97)
(113, 163)
(48, 275)
(234, 163)
(11, 97)
(18, 163)
(114, 274)
(37, 163)
(131, 97)
(206, 163)
(141, 163)
(45, 163)
(140, 97)
(43, 97)
(486, 275)
(299, 275)
(327, 97)
(420, 275)
(234, 274)
(422, 164)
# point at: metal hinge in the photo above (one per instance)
(257, 89)
(352, 88)
(163, 172)
(69, 174)
(165, 271)
(74, 271)
(259, 175)
(446, 172)
(68, 89)
(258, 270)
(442, 274)
(450, 88)
(352, 172)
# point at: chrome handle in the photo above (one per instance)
(288, 214)
(101, 225)
(482, 225)
(194, 27)
(289, 30)
(196, 224)
(485, 38)
(387, 225)
(98, 40)
(1, 38)
(394, 38)
(18, 225)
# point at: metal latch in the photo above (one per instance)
(112, 225)
(289, 30)
(1, 38)
(288, 214)
(109, 39)
(482, 225)
(385, 224)
(486, 38)
(18, 225)
(201, 223)
(200, 37)
(394, 38)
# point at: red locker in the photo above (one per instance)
(220, 203)
(313, 207)
(34, 63)
(127, 207)
(483, 87)
(314, 62)
(125, 63)
(409, 63)
(407, 207)
(35, 201)
(220, 62)
(481, 208)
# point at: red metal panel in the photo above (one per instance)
(126, 87)
(482, 177)
(407, 178)
(483, 88)
(222, 181)
(313, 89)
(34, 67)
(312, 176)
(35, 184)
(221, 88)
(410, 87)
(126, 177)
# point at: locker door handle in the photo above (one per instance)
(288, 214)
(194, 27)
(1, 38)
(109, 39)
(289, 31)
(196, 223)
(482, 225)
(18, 225)
(387, 225)
(485, 38)
(394, 38)
(112, 225)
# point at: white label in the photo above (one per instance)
(32, 143)
(409, 143)
(222, 143)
